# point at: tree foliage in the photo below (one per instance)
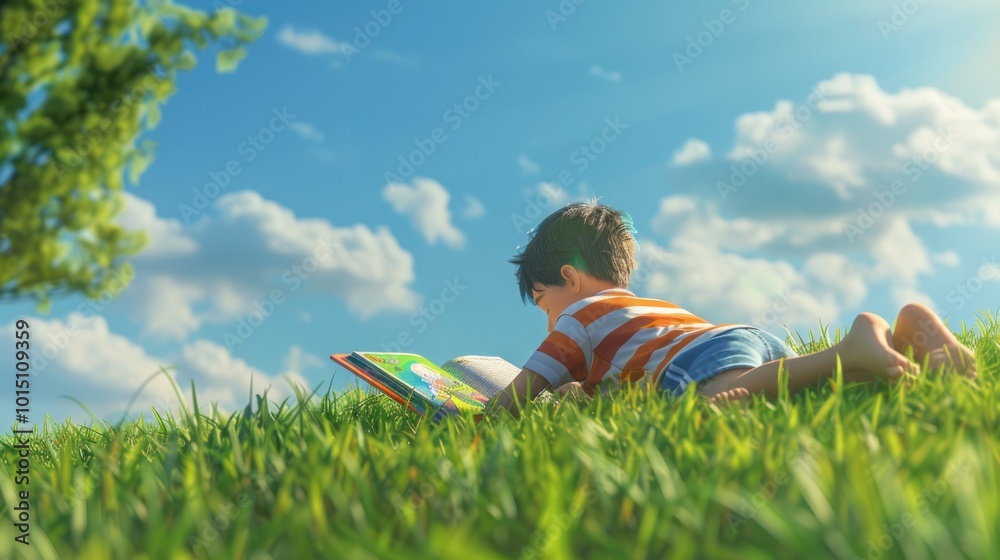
(80, 80)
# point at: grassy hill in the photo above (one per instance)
(846, 471)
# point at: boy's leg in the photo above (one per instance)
(919, 328)
(865, 352)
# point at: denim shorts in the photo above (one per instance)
(739, 347)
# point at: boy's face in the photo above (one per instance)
(553, 300)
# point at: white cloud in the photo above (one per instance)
(704, 268)
(693, 150)
(164, 237)
(837, 167)
(426, 203)
(901, 258)
(247, 248)
(551, 196)
(168, 311)
(856, 136)
(988, 272)
(79, 357)
(603, 74)
(689, 220)
(227, 379)
(899, 253)
(880, 162)
(311, 41)
(527, 166)
(323, 154)
(393, 57)
(543, 199)
(837, 276)
(306, 131)
(726, 287)
(298, 360)
(705, 248)
(947, 258)
(473, 208)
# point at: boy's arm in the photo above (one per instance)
(572, 390)
(526, 386)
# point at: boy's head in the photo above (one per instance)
(587, 241)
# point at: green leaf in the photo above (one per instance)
(152, 115)
(229, 59)
(186, 61)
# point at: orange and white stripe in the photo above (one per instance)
(614, 333)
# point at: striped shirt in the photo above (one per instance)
(618, 336)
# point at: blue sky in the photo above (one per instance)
(882, 116)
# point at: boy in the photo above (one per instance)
(576, 269)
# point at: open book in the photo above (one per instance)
(463, 384)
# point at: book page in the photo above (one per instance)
(487, 374)
(438, 386)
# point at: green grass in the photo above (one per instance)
(833, 472)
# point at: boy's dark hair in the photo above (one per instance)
(593, 238)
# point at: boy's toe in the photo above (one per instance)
(729, 396)
(894, 372)
(900, 366)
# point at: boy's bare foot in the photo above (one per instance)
(918, 327)
(868, 346)
(730, 396)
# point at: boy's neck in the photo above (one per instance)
(592, 286)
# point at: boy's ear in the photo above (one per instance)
(572, 277)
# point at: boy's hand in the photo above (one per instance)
(572, 391)
(526, 386)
